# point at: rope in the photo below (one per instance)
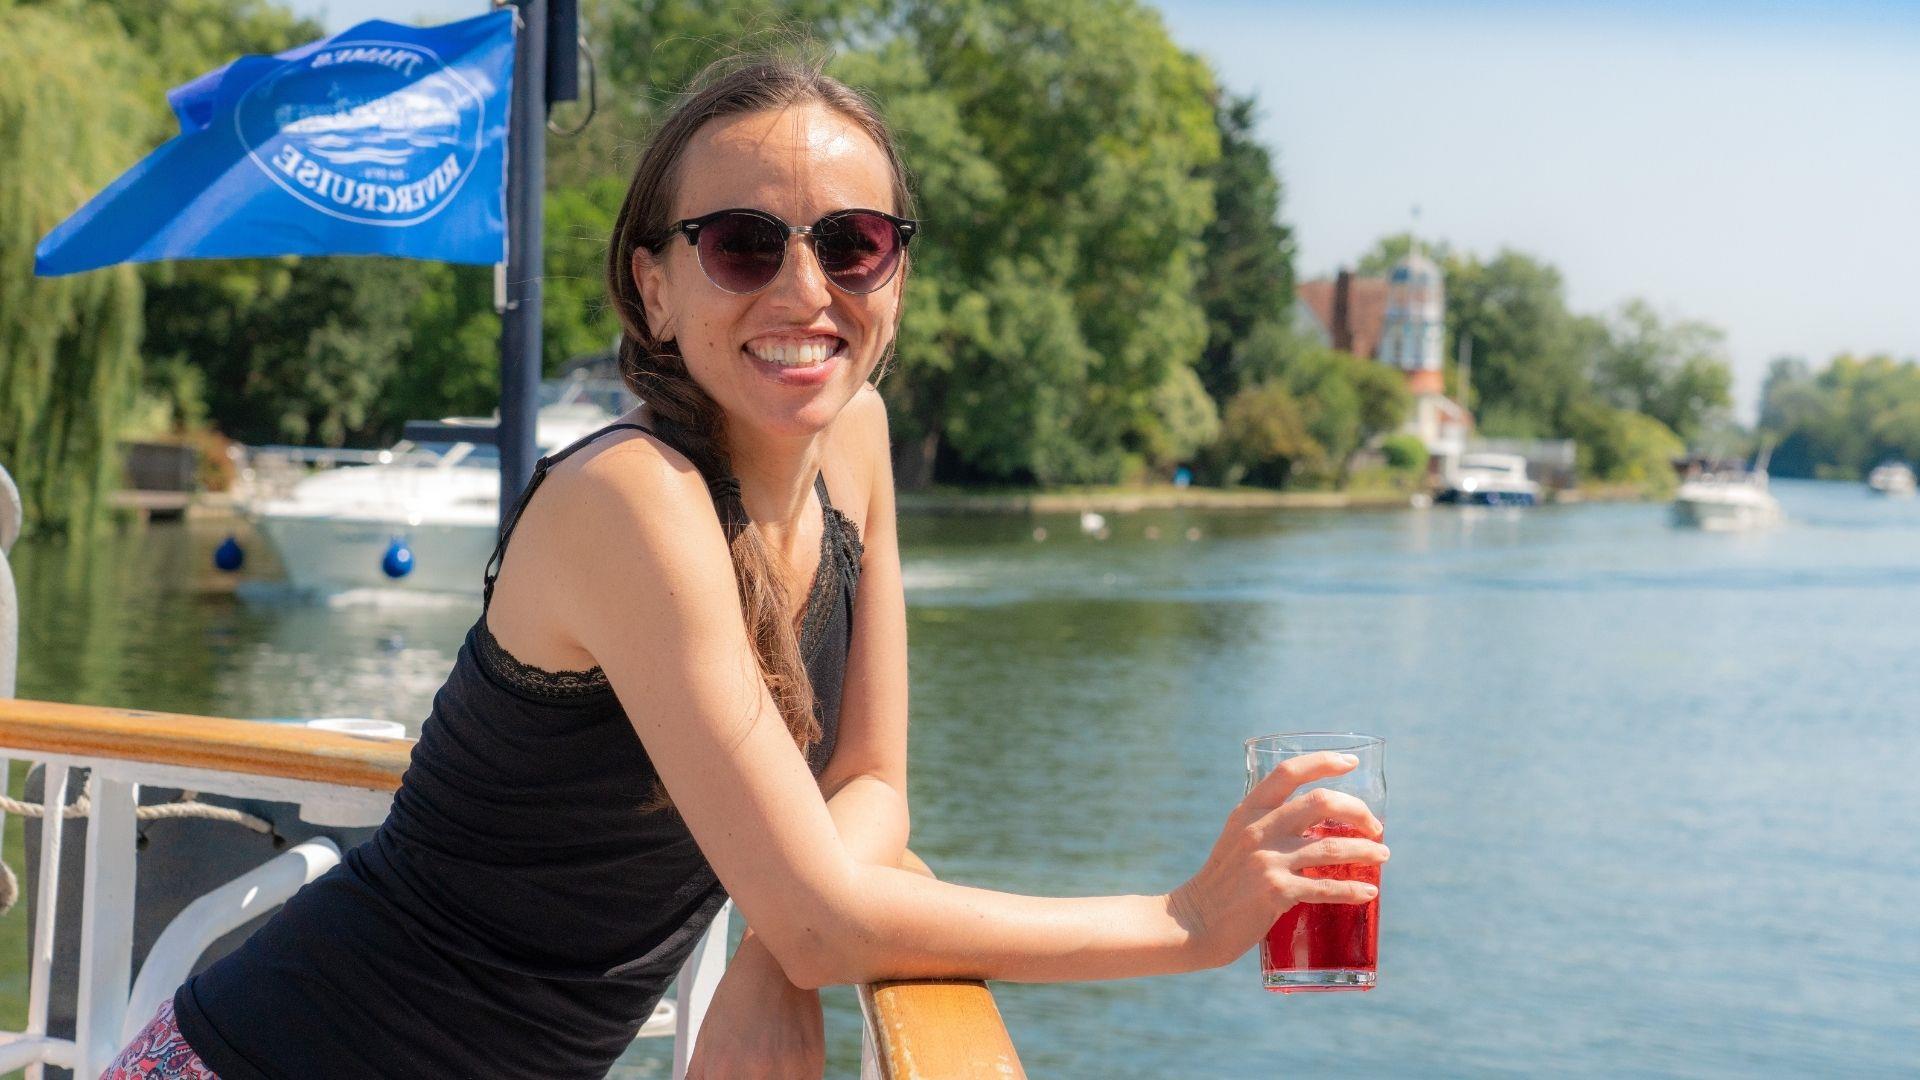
(188, 805)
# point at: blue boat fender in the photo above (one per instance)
(229, 556)
(398, 561)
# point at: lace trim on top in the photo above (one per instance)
(840, 553)
(537, 681)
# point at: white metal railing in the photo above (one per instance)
(108, 1010)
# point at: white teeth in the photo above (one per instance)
(794, 352)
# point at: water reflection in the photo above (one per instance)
(141, 619)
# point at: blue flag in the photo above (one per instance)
(380, 140)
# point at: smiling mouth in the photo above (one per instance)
(796, 352)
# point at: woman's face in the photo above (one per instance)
(760, 355)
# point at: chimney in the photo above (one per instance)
(1342, 328)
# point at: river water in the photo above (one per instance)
(1654, 798)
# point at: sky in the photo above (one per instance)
(1748, 163)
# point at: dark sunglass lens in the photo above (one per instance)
(858, 249)
(742, 252)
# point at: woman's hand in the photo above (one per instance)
(760, 1026)
(1254, 872)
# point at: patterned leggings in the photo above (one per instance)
(159, 1053)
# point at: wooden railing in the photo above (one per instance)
(935, 1029)
(249, 747)
(915, 1030)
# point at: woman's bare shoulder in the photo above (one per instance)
(623, 522)
(859, 461)
(632, 493)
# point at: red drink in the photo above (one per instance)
(1336, 938)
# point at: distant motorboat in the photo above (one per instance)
(1892, 478)
(422, 518)
(1489, 479)
(1728, 500)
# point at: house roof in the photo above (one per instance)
(1365, 311)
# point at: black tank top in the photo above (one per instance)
(517, 914)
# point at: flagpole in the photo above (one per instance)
(520, 323)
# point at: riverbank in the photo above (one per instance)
(1113, 500)
(1118, 500)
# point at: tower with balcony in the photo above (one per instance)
(1412, 333)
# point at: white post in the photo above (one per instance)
(106, 925)
(53, 802)
(10, 516)
(869, 1057)
(9, 616)
(699, 978)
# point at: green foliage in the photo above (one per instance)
(1624, 447)
(1853, 415)
(1185, 419)
(1247, 276)
(182, 39)
(1392, 248)
(1676, 373)
(295, 351)
(1060, 149)
(1343, 400)
(1405, 453)
(69, 346)
(576, 319)
(173, 399)
(1530, 355)
(1264, 437)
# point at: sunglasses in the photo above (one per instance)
(741, 251)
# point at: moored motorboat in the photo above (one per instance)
(1490, 479)
(422, 518)
(1892, 478)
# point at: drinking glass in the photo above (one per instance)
(1317, 947)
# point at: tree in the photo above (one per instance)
(294, 350)
(1675, 372)
(1247, 276)
(1529, 352)
(69, 347)
(182, 39)
(1263, 437)
(1390, 249)
(1849, 417)
(1344, 400)
(1623, 447)
(1186, 419)
(1405, 454)
(1059, 153)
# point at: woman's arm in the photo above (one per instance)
(643, 578)
(865, 783)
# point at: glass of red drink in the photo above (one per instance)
(1318, 947)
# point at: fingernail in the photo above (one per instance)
(1349, 759)
(1369, 891)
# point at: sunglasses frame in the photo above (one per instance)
(904, 228)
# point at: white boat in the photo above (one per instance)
(1892, 478)
(1728, 500)
(423, 517)
(1489, 479)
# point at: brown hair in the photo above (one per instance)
(655, 372)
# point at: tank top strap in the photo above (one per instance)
(540, 469)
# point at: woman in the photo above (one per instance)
(647, 718)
